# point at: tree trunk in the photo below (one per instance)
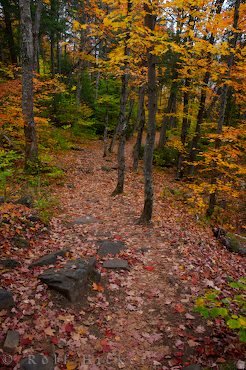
(9, 31)
(141, 123)
(184, 129)
(223, 102)
(171, 109)
(122, 139)
(123, 120)
(150, 21)
(36, 28)
(31, 147)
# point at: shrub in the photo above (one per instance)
(229, 304)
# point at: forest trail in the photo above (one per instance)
(137, 319)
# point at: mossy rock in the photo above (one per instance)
(235, 243)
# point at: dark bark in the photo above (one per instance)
(9, 31)
(52, 53)
(122, 136)
(36, 28)
(31, 147)
(123, 120)
(141, 123)
(150, 21)
(223, 102)
(196, 138)
(169, 121)
(184, 129)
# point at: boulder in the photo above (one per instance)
(6, 299)
(2, 200)
(116, 264)
(234, 243)
(110, 247)
(11, 342)
(9, 263)
(37, 362)
(72, 281)
(49, 259)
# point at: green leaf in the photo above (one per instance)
(242, 335)
(233, 324)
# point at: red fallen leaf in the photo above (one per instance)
(149, 268)
(108, 333)
(118, 237)
(25, 341)
(105, 345)
(179, 308)
(68, 328)
(54, 340)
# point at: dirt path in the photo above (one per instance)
(143, 319)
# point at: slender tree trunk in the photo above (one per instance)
(31, 147)
(141, 123)
(122, 139)
(171, 109)
(105, 136)
(123, 119)
(36, 28)
(150, 21)
(184, 129)
(9, 31)
(52, 53)
(223, 102)
(129, 116)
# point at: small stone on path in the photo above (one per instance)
(20, 242)
(9, 263)
(110, 247)
(6, 299)
(11, 342)
(37, 362)
(192, 367)
(117, 264)
(84, 220)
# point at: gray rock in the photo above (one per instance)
(72, 281)
(37, 362)
(20, 242)
(192, 367)
(117, 264)
(110, 247)
(49, 259)
(26, 200)
(9, 263)
(11, 342)
(6, 299)
(2, 200)
(84, 220)
(234, 243)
